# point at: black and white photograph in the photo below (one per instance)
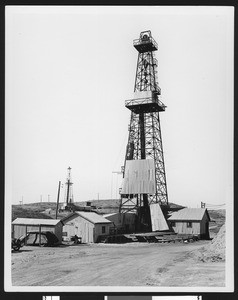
(119, 149)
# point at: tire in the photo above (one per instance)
(16, 248)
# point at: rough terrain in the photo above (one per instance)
(216, 250)
(133, 264)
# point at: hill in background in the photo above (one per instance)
(34, 210)
(41, 210)
(47, 210)
(218, 218)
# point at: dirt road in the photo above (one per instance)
(134, 264)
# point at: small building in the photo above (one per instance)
(191, 221)
(22, 226)
(88, 226)
(122, 222)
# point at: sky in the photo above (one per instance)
(69, 71)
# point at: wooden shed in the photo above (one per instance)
(191, 221)
(122, 222)
(88, 226)
(22, 226)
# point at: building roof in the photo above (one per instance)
(193, 214)
(90, 216)
(111, 214)
(31, 221)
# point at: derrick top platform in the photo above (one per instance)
(145, 43)
(145, 102)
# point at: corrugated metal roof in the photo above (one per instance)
(90, 216)
(31, 221)
(194, 214)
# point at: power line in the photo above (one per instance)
(215, 204)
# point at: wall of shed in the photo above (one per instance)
(98, 230)
(59, 231)
(181, 227)
(81, 227)
(204, 228)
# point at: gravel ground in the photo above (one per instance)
(133, 264)
(216, 250)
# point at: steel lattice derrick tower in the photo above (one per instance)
(145, 140)
(69, 190)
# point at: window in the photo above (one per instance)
(189, 224)
(64, 233)
(173, 224)
(103, 229)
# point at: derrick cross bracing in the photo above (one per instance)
(145, 141)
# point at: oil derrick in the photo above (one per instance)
(69, 189)
(144, 154)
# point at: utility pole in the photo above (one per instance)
(57, 206)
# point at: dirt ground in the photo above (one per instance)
(133, 264)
